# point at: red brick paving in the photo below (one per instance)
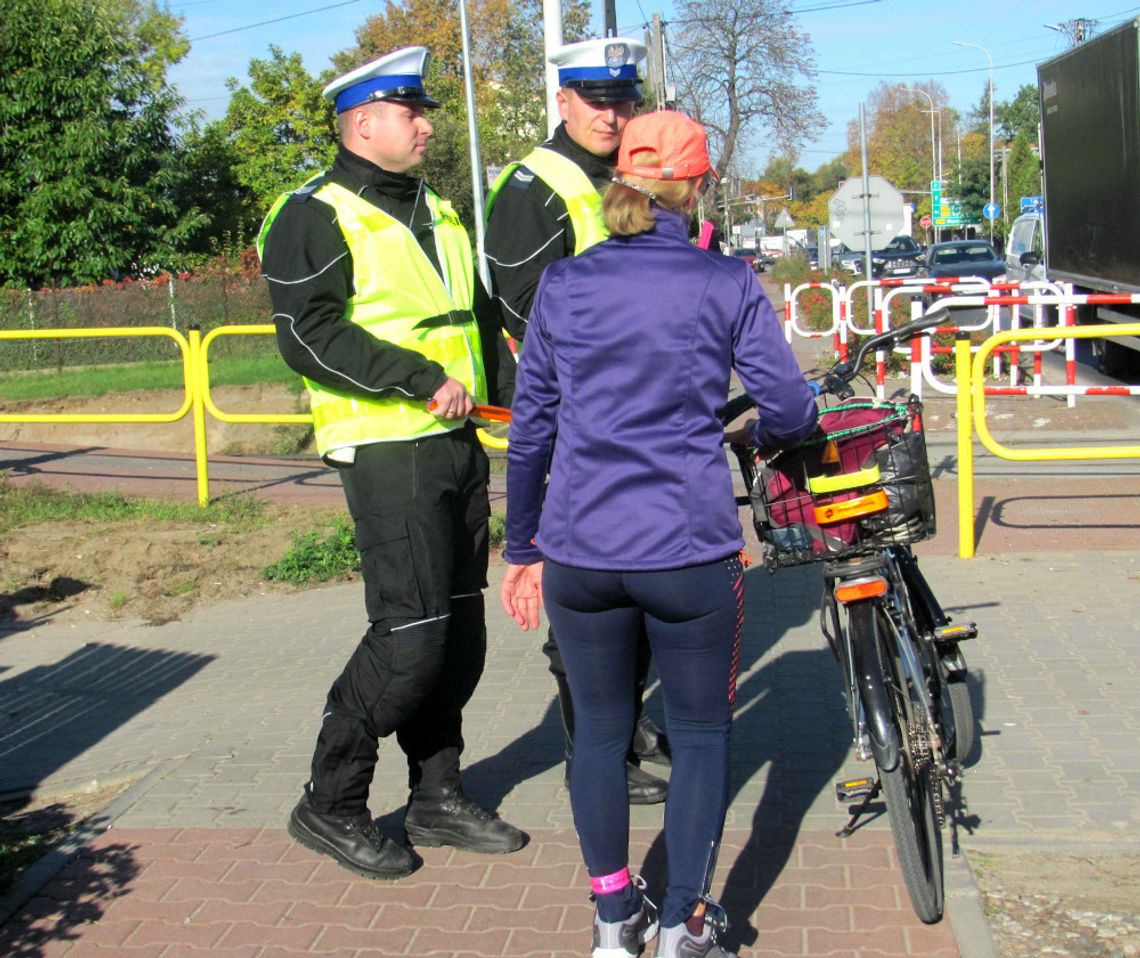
(238, 892)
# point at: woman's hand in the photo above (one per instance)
(741, 435)
(521, 594)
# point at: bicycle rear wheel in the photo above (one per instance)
(909, 787)
(962, 710)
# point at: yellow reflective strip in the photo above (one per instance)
(848, 480)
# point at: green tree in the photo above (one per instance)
(278, 130)
(88, 143)
(1019, 116)
(210, 168)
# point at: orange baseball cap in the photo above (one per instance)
(679, 141)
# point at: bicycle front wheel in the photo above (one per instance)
(909, 787)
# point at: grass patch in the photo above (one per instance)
(318, 556)
(324, 555)
(26, 504)
(96, 381)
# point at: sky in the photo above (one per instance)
(858, 45)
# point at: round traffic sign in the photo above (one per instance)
(990, 211)
(926, 222)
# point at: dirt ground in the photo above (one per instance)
(151, 571)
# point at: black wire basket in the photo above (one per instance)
(861, 483)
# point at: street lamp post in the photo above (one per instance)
(990, 61)
(933, 158)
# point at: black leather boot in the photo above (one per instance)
(446, 816)
(650, 744)
(644, 789)
(353, 840)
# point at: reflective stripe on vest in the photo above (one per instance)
(396, 289)
(573, 186)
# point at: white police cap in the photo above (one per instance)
(397, 76)
(602, 69)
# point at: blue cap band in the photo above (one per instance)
(360, 92)
(627, 72)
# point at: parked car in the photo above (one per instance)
(963, 258)
(900, 257)
(749, 256)
(842, 258)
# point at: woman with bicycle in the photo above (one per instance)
(628, 359)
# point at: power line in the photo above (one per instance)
(834, 6)
(265, 23)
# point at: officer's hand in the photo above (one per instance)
(451, 401)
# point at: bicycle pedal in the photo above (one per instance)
(854, 788)
(955, 633)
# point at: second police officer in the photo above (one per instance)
(549, 206)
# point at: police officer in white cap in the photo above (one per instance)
(549, 206)
(379, 307)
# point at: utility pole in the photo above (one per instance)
(1078, 30)
(1005, 188)
(658, 62)
(609, 8)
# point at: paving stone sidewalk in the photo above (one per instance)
(213, 718)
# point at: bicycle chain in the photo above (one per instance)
(923, 756)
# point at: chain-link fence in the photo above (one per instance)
(209, 300)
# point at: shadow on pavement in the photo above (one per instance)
(54, 713)
(66, 909)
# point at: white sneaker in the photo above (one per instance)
(679, 942)
(625, 939)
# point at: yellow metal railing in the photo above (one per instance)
(196, 377)
(972, 417)
(110, 331)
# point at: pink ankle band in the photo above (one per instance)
(610, 883)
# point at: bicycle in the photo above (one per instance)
(855, 497)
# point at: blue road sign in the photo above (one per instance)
(991, 211)
(1032, 204)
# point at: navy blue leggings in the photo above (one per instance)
(694, 617)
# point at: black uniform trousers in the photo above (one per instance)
(420, 510)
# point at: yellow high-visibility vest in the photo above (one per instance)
(397, 287)
(573, 186)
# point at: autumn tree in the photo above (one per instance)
(88, 142)
(744, 71)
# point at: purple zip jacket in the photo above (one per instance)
(627, 361)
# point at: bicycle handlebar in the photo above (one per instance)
(836, 380)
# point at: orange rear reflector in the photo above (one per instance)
(851, 508)
(830, 454)
(855, 589)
